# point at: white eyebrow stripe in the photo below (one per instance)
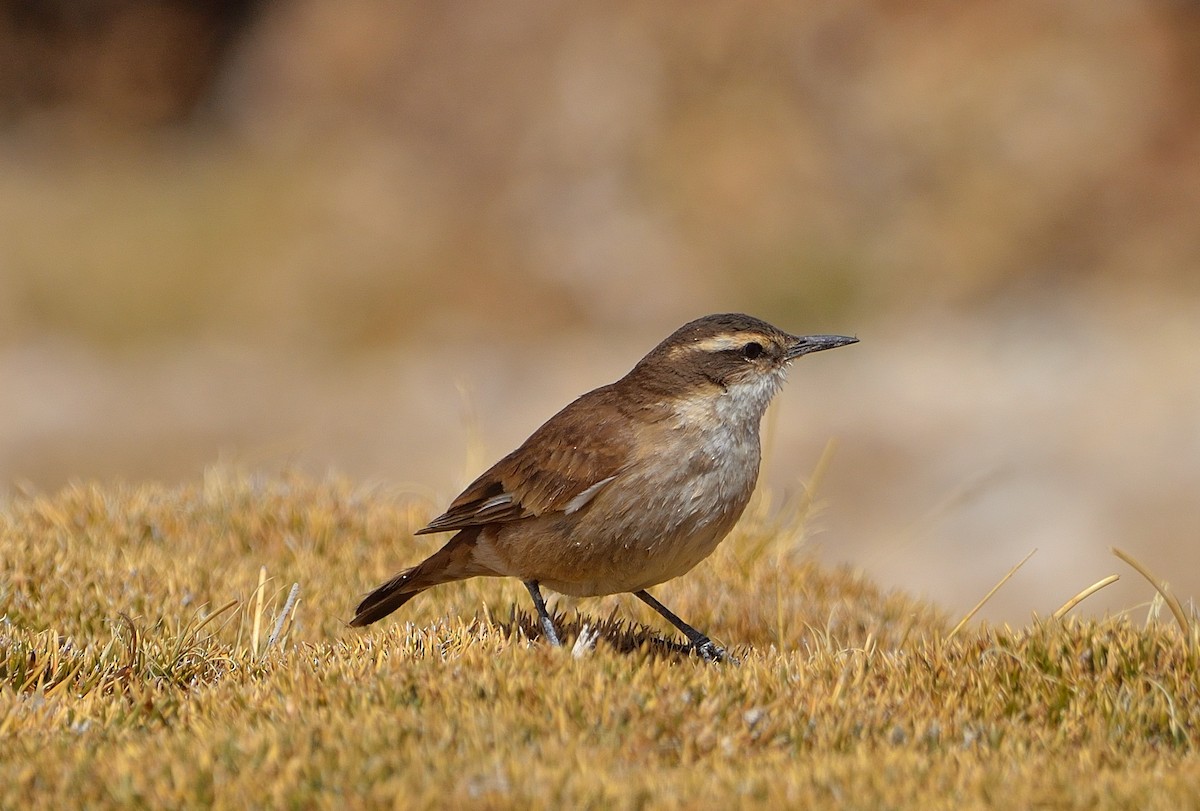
(718, 343)
(580, 501)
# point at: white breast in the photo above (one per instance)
(683, 501)
(659, 517)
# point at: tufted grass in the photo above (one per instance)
(150, 657)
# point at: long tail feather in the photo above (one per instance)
(454, 561)
(384, 600)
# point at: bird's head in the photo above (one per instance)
(728, 356)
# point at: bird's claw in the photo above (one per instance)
(713, 653)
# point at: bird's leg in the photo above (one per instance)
(543, 615)
(701, 643)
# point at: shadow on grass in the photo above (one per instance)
(621, 635)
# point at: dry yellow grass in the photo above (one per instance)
(140, 667)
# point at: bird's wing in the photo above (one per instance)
(560, 468)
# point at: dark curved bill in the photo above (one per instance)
(806, 344)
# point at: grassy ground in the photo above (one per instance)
(148, 658)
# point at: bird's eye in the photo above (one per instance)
(752, 350)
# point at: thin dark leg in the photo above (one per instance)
(543, 615)
(701, 643)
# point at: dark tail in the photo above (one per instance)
(385, 599)
(454, 561)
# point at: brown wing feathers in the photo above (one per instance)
(522, 485)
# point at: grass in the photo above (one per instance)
(149, 657)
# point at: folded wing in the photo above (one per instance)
(560, 468)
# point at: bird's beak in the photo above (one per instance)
(805, 344)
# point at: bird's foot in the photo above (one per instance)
(713, 653)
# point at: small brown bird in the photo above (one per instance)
(629, 486)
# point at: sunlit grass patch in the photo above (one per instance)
(187, 646)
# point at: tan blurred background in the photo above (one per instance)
(390, 239)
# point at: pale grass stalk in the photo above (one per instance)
(133, 646)
(34, 677)
(64, 681)
(192, 629)
(204, 622)
(840, 687)
(1154, 610)
(256, 625)
(1161, 587)
(1177, 728)
(962, 622)
(814, 481)
(1083, 595)
(909, 624)
(293, 595)
(794, 525)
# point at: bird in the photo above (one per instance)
(630, 485)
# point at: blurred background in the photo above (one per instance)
(390, 239)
